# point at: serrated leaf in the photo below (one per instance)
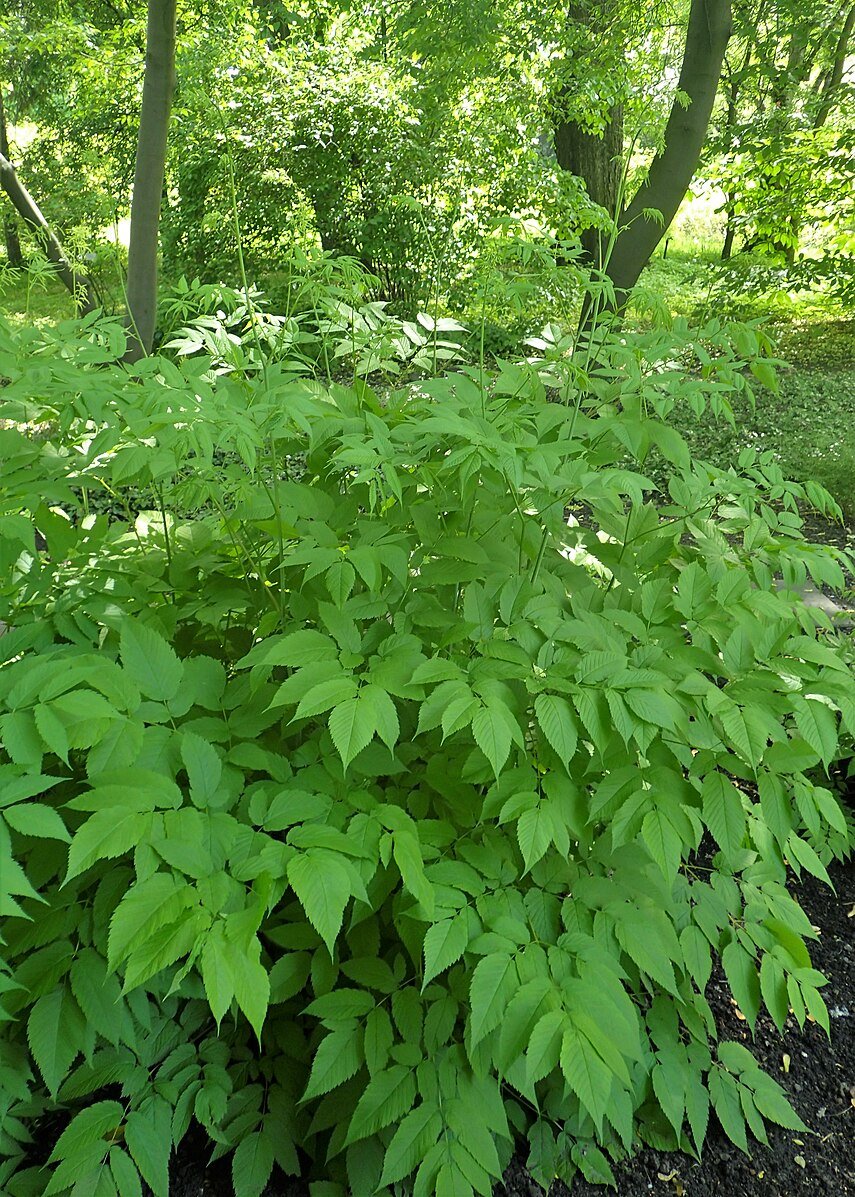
(322, 885)
(493, 983)
(724, 1096)
(818, 728)
(252, 1165)
(544, 1046)
(445, 943)
(150, 661)
(88, 1126)
(338, 1058)
(388, 1097)
(37, 820)
(741, 973)
(48, 1034)
(352, 725)
(148, 1138)
(723, 812)
(99, 996)
(802, 853)
(555, 716)
(325, 695)
(125, 1173)
(105, 835)
(492, 735)
(663, 842)
(146, 907)
(204, 768)
(217, 975)
(586, 1074)
(534, 833)
(417, 1133)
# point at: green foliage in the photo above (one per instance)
(392, 812)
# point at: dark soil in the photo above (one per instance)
(819, 1078)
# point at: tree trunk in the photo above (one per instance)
(78, 284)
(149, 174)
(672, 169)
(10, 229)
(598, 161)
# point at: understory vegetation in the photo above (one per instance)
(407, 699)
(363, 804)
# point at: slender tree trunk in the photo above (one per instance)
(835, 75)
(78, 284)
(672, 169)
(10, 228)
(149, 175)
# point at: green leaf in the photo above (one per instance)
(150, 661)
(325, 695)
(52, 731)
(493, 734)
(802, 853)
(146, 907)
(217, 974)
(417, 1133)
(535, 829)
(49, 1035)
(204, 768)
(352, 725)
(724, 1095)
(322, 885)
(408, 858)
(252, 1165)
(388, 1096)
(586, 1074)
(555, 716)
(88, 1126)
(252, 984)
(663, 842)
(772, 1103)
(125, 1173)
(724, 813)
(818, 727)
(105, 835)
(747, 731)
(741, 973)
(445, 943)
(337, 1059)
(544, 1046)
(37, 820)
(148, 1137)
(99, 996)
(493, 983)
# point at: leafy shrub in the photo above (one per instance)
(326, 328)
(357, 818)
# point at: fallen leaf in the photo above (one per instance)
(670, 1176)
(786, 1062)
(851, 914)
(800, 1160)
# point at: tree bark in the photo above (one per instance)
(158, 87)
(10, 229)
(78, 284)
(598, 161)
(595, 158)
(672, 169)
